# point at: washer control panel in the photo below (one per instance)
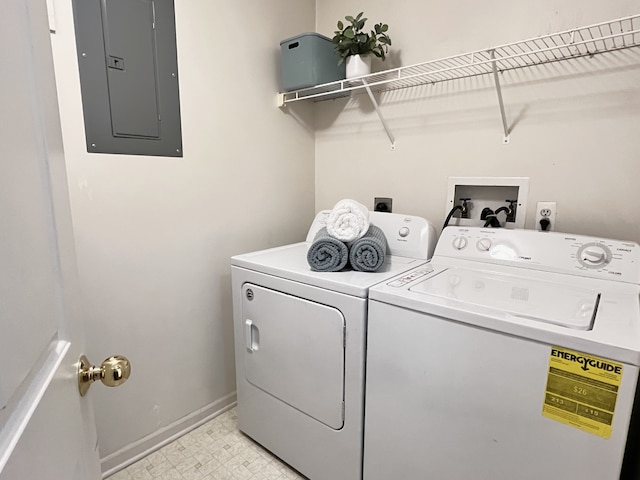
(549, 251)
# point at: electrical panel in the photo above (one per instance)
(129, 76)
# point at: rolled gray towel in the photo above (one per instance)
(368, 252)
(326, 253)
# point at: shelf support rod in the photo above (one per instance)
(496, 78)
(379, 112)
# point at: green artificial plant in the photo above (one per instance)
(350, 39)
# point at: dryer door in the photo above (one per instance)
(294, 350)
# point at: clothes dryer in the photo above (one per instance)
(512, 355)
(300, 347)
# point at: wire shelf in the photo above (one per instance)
(579, 42)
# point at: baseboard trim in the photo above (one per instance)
(133, 452)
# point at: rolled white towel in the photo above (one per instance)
(348, 221)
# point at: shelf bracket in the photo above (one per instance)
(382, 119)
(496, 78)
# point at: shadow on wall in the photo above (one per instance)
(551, 94)
(303, 114)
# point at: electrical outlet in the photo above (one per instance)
(546, 216)
(381, 204)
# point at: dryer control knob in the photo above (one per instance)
(403, 232)
(459, 243)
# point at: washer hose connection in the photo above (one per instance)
(490, 218)
(464, 211)
(509, 210)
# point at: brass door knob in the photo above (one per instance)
(114, 371)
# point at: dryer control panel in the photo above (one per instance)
(549, 251)
(406, 235)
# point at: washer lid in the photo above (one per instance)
(614, 334)
(539, 300)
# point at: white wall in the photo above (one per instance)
(154, 235)
(574, 132)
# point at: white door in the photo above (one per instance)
(46, 428)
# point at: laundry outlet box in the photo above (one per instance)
(309, 59)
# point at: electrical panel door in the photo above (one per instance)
(130, 47)
(129, 76)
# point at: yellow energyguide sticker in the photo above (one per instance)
(582, 390)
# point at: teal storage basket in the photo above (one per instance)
(309, 59)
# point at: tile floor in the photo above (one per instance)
(213, 451)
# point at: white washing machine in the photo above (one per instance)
(512, 355)
(300, 347)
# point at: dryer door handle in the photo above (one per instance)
(251, 335)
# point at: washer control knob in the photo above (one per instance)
(484, 244)
(459, 243)
(403, 232)
(594, 255)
